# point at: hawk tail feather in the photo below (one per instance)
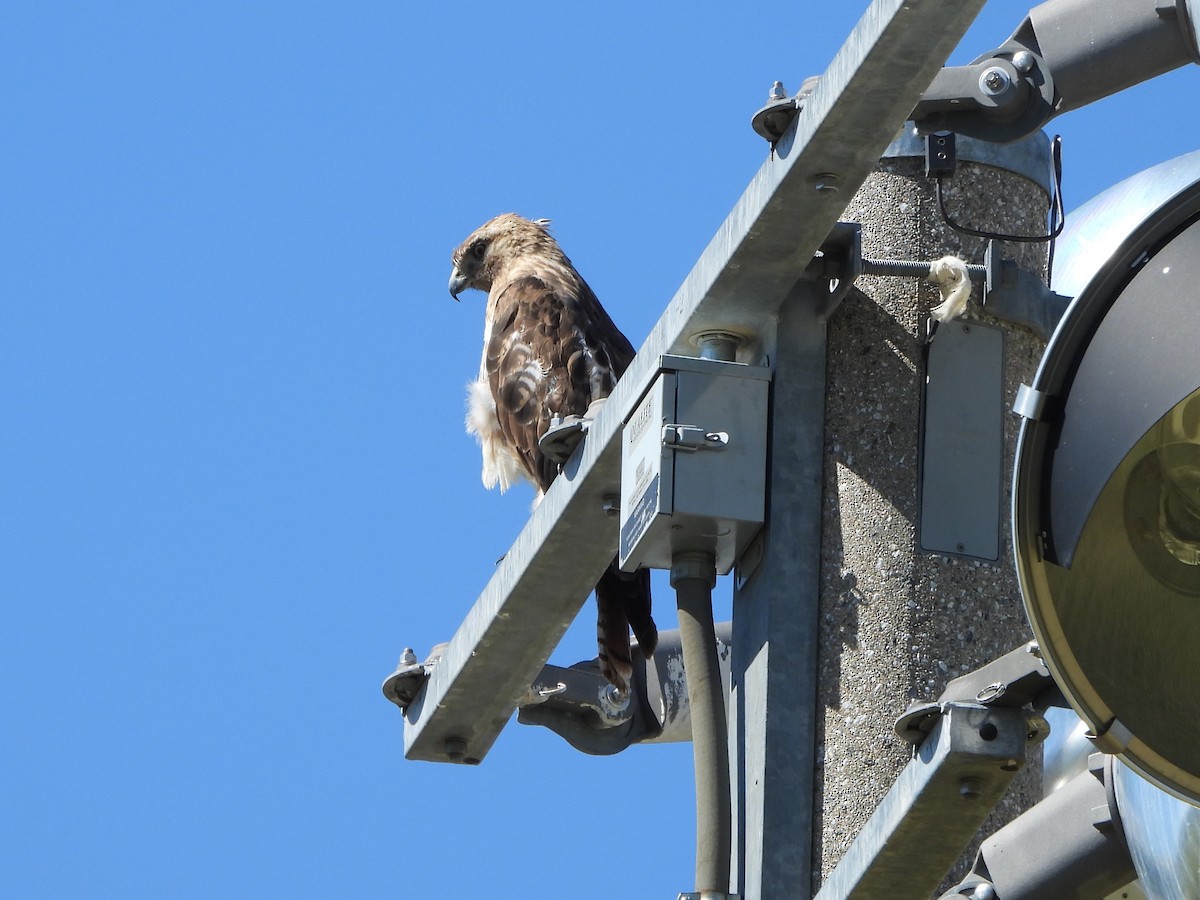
(623, 601)
(637, 609)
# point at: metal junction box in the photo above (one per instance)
(694, 463)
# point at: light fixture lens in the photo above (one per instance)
(1162, 498)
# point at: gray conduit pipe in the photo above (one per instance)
(693, 576)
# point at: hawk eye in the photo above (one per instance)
(478, 249)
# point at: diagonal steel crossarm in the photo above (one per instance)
(737, 285)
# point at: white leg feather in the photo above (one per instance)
(500, 467)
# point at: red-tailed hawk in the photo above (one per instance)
(549, 349)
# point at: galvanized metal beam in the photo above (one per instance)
(936, 806)
(737, 285)
(773, 700)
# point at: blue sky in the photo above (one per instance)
(235, 481)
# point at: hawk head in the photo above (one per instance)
(480, 258)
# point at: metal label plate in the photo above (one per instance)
(642, 462)
(962, 446)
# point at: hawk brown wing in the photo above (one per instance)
(549, 354)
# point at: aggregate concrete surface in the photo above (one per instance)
(896, 624)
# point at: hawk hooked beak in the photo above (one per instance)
(458, 282)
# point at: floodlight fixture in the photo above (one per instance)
(1106, 493)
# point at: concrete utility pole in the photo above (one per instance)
(896, 623)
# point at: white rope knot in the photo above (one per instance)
(950, 275)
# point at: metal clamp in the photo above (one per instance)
(403, 685)
(1017, 679)
(1016, 295)
(837, 266)
(562, 437)
(1029, 403)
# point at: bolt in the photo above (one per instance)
(826, 183)
(777, 92)
(1023, 61)
(456, 749)
(717, 345)
(611, 505)
(984, 892)
(618, 699)
(408, 657)
(970, 787)
(994, 81)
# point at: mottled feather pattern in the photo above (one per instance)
(549, 350)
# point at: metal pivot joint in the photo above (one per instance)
(1064, 55)
(582, 708)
